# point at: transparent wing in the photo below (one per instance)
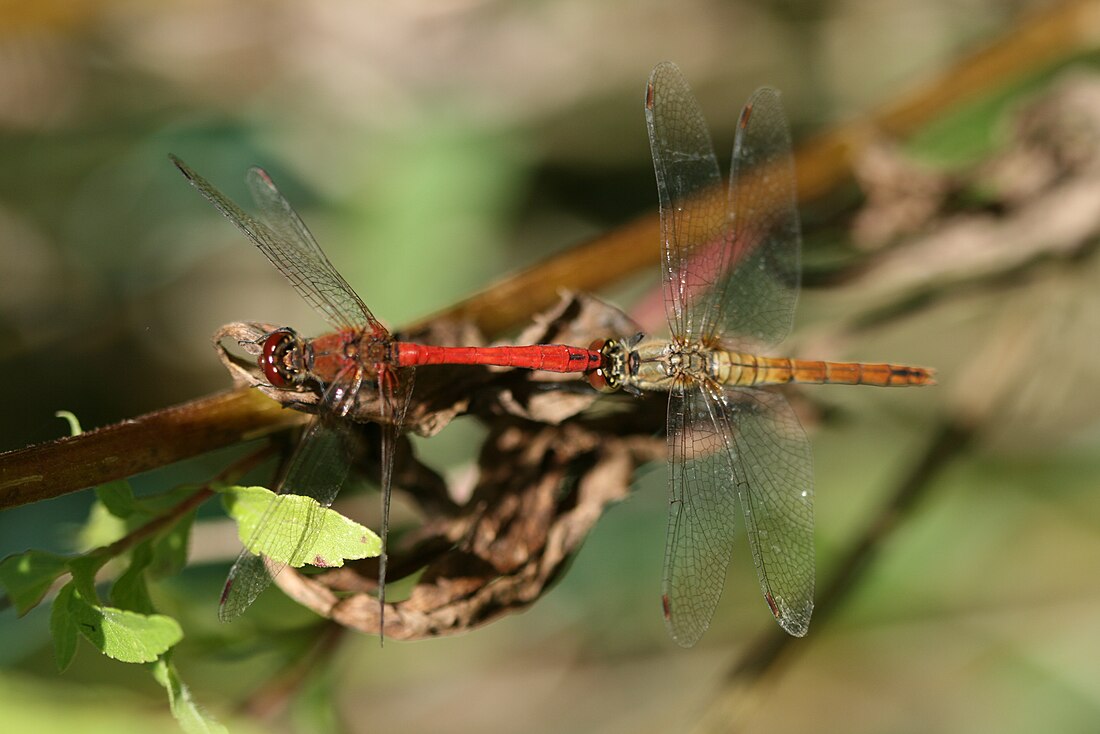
(702, 512)
(770, 459)
(284, 239)
(757, 294)
(396, 396)
(754, 437)
(317, 469)
(692, 204)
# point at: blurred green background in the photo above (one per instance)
(434, 147)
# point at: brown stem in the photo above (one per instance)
(66, 465)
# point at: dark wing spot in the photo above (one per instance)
(746, 113)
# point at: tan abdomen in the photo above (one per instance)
(748, 369)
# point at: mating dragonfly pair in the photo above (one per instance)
(730, 273)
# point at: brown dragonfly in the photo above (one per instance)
(731, 272)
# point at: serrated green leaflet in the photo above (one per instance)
(332, 537)
(117, 497)
(27, 576)
(102, 527)
(63, 627)
(129, 591)
(84, 570)
(170, 548)
(125, 636)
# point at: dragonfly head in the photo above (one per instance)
(614, 368)
(281, 359)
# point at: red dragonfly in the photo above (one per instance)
(359, 353)
(731, 270)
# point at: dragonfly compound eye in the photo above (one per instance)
(280, 358)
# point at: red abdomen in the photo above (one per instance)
(548, 357)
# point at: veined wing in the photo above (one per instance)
(756, 297)
(701, 510)
(317, 469)
(396, 387)
(692, 204)
(769, 457)
(754, 437)
(288, 244)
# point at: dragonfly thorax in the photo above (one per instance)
(652, 365)
(657, 365)
(347, 351)
(370, 349)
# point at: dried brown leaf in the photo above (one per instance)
(541, 490)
